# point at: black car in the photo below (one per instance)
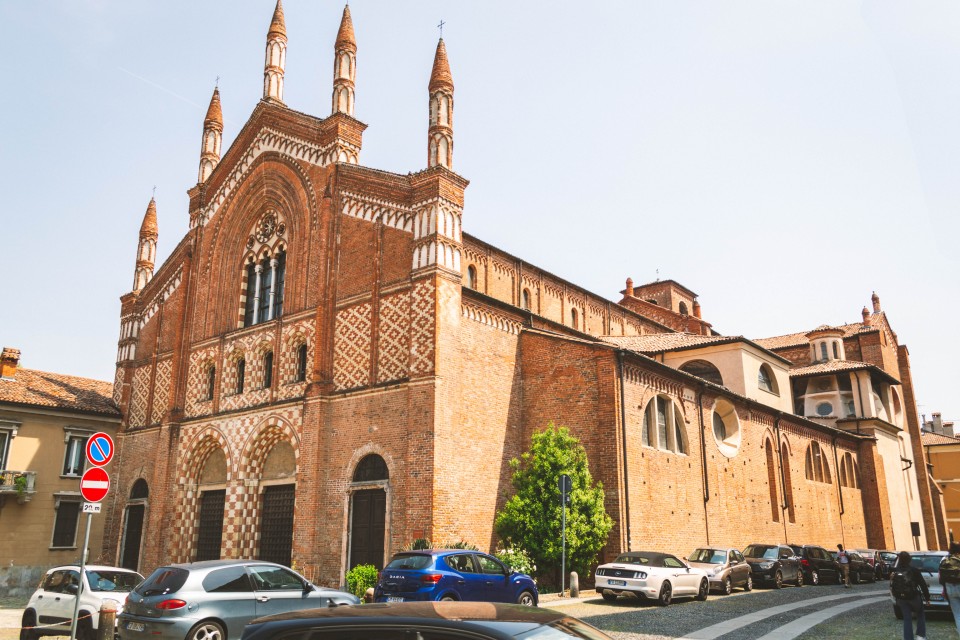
(860, 569)
(411, 620)
(817, 564)
(889, 559)
(773, 565)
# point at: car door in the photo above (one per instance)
(277, 590)
(49, 602)
(470, 583)
(789, 564)
(496, 579)
(231, 596)
(60, 609)
(740, 569)
(684, 581)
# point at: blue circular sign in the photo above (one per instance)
(99, 449)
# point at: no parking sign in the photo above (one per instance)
(99, 449)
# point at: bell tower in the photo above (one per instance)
(440, 134)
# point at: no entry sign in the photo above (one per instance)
(99, 449)
(94, 484)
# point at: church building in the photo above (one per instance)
(327, 367)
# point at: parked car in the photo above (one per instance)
(774, 565)
(817, 564)
(452, 574)
(466, 620)
(929, 564)
(54, 600)
(651, 574)
(889, 559)
(725, 568)
(214, 599)
(872, 556)
(860, 569)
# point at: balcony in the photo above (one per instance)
(19, 483)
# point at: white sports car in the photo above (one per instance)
(651, 574)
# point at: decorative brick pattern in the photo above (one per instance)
(393, 360)
(351, 350)
(293, 336)
(161, 390)
(251, 348)
(422, 327)
(197, 402)
(138, 400)
(118, 386)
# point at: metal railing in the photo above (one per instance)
(19, 483)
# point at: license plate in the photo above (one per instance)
(617, 583)
(936, 597)
(394, 599)
(134, 626)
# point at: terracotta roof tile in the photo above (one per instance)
(832, 366)
(214, 112)
(928, 438)
(440, 77)
(345, 34)
(277, 25)
(657, 342)
(148, 228)
(58, 391)
(800, 339)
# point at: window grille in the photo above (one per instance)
(210, 525)
(276, 523)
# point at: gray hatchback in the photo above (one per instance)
(213, 600)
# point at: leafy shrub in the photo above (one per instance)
(361, 578)
(460, 544)
(516, 559)
(417, 544)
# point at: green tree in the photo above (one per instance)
(531, 518)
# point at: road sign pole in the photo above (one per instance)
(563, 547)
(83, 564)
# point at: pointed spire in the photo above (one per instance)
(212, 137)
(276, 57)
(344, 66)
(345, 37)
(441, 77)
(440, 134)
(146, 247)
(278, 27)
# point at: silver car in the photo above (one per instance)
(213, 600)
(929, 564)
(725, 567)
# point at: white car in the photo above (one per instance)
(651, 575)
(50, 609)
(929, 564)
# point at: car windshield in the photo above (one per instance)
(929, 564)
(888, 556)
(108, 580)
(761, 551)
(410, 561)
(711, 556)
(564, 630)
(648, 559)
(163, 581)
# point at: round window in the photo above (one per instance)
(824, 409)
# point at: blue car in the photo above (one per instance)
(453, 574)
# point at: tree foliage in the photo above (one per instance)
(532, 517)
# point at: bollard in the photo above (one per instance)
(574, 585)
(107, 621)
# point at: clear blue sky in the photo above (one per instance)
(783, 160)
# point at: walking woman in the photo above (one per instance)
(910, 590)
(950, 579)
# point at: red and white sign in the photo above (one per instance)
(94, 484)
(99, 449)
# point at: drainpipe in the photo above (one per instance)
(703, 458)
(784, 505)
(836, 465)
(623, 429)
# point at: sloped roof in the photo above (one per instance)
(930, 438)
(800, 339)
(833, 366)
(58, 391)
(661, 342)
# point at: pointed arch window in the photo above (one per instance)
(472, 277)
(849, 472)
(574, 320)
(241, 374)
(211, 379)
(264, 288)
(268, 369)
(816, 467)
(525, 299)
(663, 426)
(301, 362)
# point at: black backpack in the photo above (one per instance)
(902, 584)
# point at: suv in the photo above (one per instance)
(774, 564)
(452, 574)
(214, 599)
(50, 609)
(817, 564)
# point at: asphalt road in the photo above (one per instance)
(808, 613)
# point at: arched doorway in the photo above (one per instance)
(368, 512)
(133, 525)
(213, 493)
(278, 499)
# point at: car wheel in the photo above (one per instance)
(897, 612)
(799, 578)
(748, 585)
(207, 630)
(85, 630)
(814, 577)
(29, 620)
(728, 586)
(778, 580)
(704, 590)
(610, 596)
(666, 594)
(526, 599)
(448, 598)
